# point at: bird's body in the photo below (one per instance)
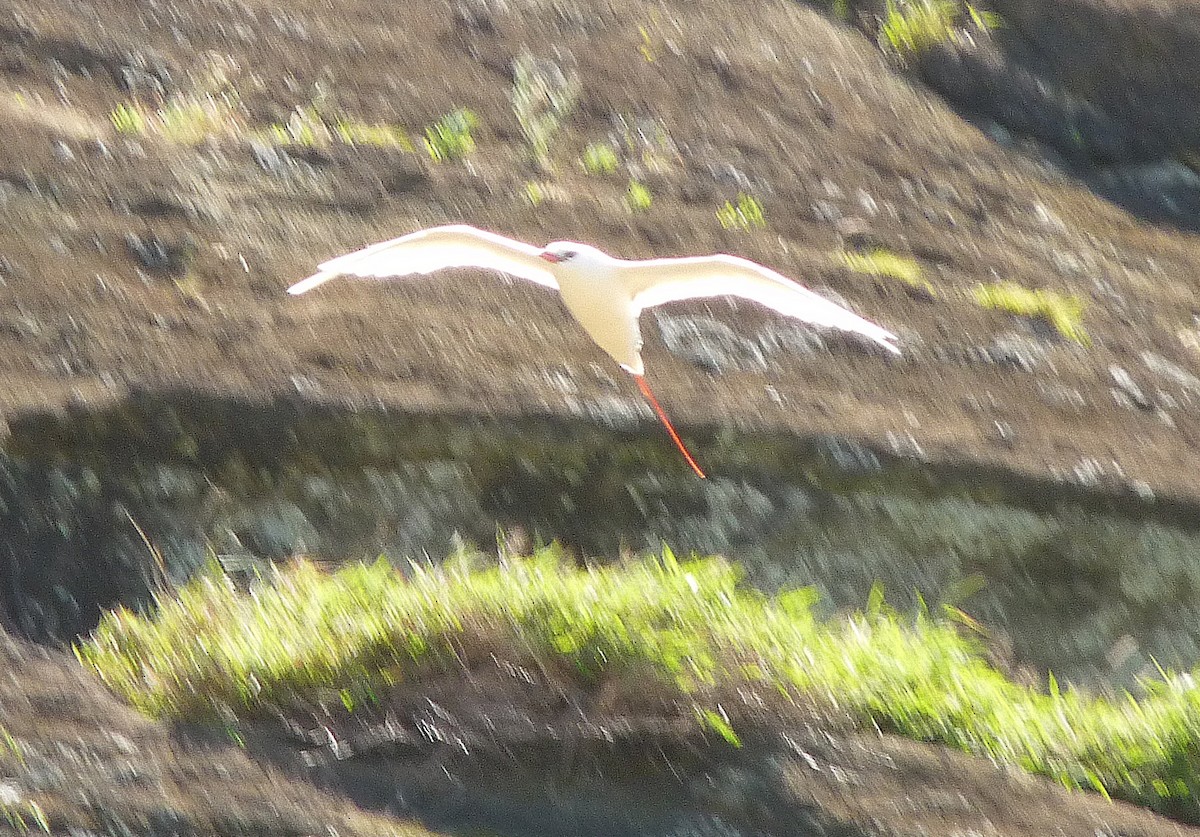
(606, 295)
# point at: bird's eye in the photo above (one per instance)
(566, 255)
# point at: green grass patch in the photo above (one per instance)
(312, 126)
(745, 214)
(638, 197)
(9, 748)
(600, 158)
(351, 635)
(187, 120)
(127, 119)
(881, 262)
(1063, 312)
(912, 27)
(450, 137)
(24, 817)
(534, 193)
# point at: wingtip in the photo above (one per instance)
(310, 283)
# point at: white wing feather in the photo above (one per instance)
(660, 281)
(436, 248)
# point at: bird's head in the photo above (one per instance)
(573, 255)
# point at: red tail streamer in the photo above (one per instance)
(662, 416)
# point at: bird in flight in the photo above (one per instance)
(604, 294)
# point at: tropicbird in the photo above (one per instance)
(606, 295)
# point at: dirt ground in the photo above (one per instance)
(704, 99)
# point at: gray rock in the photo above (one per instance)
(709, 343)
(1189, 383)
(1128, 387)
(1016, 351)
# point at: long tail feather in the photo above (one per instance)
(662, 416)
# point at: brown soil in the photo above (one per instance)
(806, 112)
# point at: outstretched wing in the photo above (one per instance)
(659, 281)
(436, 248)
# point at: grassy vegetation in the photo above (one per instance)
(187, 120)
(311, 126)
(911, 27)
(880, 262)
(534, 193)
(746, 214)
(600, 158)
(9, 747)
(358, 632)
(638, 197)
(450, 137)
(24, 816)
(1063, 312)
(542, 97)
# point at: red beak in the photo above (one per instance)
(548, 256)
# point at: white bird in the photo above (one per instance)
(605, 294)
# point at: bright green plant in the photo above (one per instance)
(9, 746)
(746, 214)
(18, 816)
(912, 27)
(450, 137)
(1063, 312)
(879, 262)
(542, 97)
(679, 626)
(127, 119)
(377, 134)
(534, 193)
(184, 120)
(718, 722)
(600, 158)
(638, 197)
(984, 20)
(311, 126)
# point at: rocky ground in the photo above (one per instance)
(158, 257)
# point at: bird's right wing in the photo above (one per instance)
(659, 281)
(436, 248)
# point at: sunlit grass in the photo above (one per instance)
(1063, 312)
(880, 262)
(600, 158)
(450, 137)
(9, 748)
(186, 120)
(127, 119)
(24, 817)
(912, 27)
(747, 213)
(311, 126)
(682, 625)
(638, 197)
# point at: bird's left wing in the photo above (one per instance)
(659, 281)
(436, 248)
